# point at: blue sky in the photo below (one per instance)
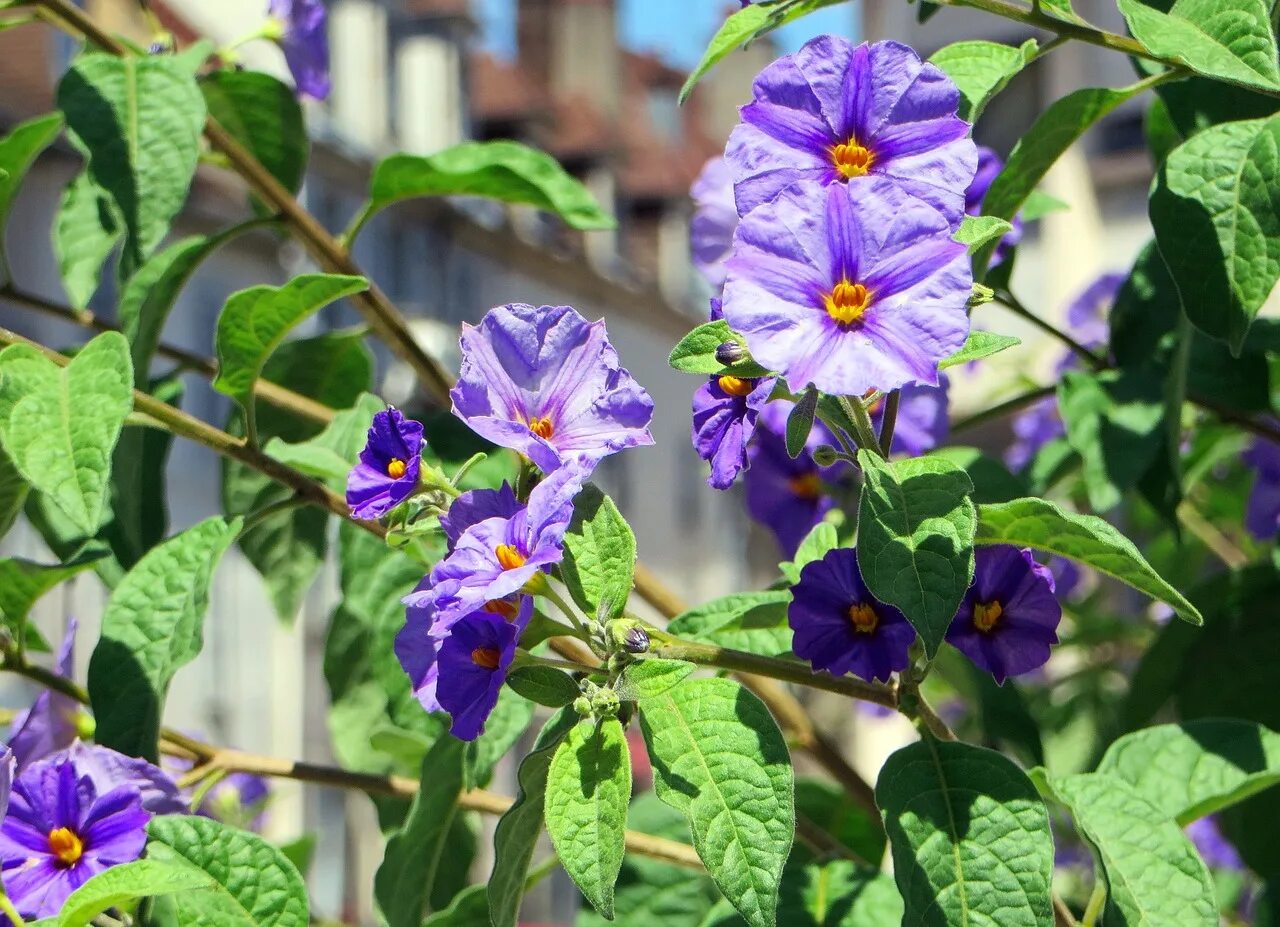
(678, 29)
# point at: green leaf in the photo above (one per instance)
(992, 481)
(816, 544)
(59, 425)
(588, 787)
(828, 805)
(1154, 875)
(719, 758)
(85, 232)
(981, 70)
(469, 909)
(1041, 525)
(516, 835)
(1039, 204)
(800, 422)
(1114, 422)
(255, 884)
(1196, 768)
(18, 151)
(546, 686)
(651, 677)
(915, 539)
(13, 492)
(976, 231)
(140, 120)
(409, 866)
(127, 882)
(978, 345)
(153, 626)
(1232, 42)
(1215, 216)
(752, 621)
(501, 170)
(970, 837)
(23, 582)
(330, 455)
(150, 293)
(599, 555)
(255, 321)
(1057, 128)
(264, 116)
(838, 893)
(696, 352)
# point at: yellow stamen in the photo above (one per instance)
(847, 302)
(486, 657)
(807, 486)
(396, 468)
(863, 617)
(735, 386)
(66, 846)
(502, 607)
(509, 556)
(542, 427)
(986, 614)
(852, 159)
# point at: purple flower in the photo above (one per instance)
(475, 506)
(714, 218)
(545, 382)
(989, 166)
(495, 558)
(787, 495)
(239, 799)
(1088, 313)
(473, 661)
(836, 113)
(62, 829)
(922, 421)
(1008, 620)
(1032, 430)
(1213, 848)
(850, 288)
(303, 35)
(8, 768)
(109, 769)
(387, 473)
(724, 418)
(840, 627)
(1262, 510)
(51, 723)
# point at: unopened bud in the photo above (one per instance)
(730, 352)
(981, 294)
(605, 703)
(582, 705)
(824, 455)
(636, 641)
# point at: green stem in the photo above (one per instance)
(254, 519)
(565, 609)
(889, 422)
(1008, 407)
(1096, 902)
(358, 222)
(10, 911)
(863, 432)
(527, 659)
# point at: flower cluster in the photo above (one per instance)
(1006, 623)
(546, 383)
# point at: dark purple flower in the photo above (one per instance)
(52, 722)
(1008, 620)
(416, 647)
(851, 288)
(922, 422)
(1032, 430)
(1262, 511)
(387, 473)
(62, 829)
(303, 35)
(1213, 848)
(545, 382)
(838, 113)
(714, 218)
(475, 506)
(788, 496)
(473, 662)
(840, 627)
(109, 769)
(989, 165)
(724, 418)
(495, 558)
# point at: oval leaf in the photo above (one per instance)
(85, 233)
(970, 837)
(977, 346)
(264, 116)
(544, 685)
(752, 621)
(115, 887)
(650, 677)
(719, 758)
(18, 151)
(981, 70)
(1230, 41)
(800, 422)
(599, 555)
(696, 352)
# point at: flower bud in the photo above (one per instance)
(981, 294)
(582, 705)
(824, 455)
(730, 352)
(605, 703)
(636, 640)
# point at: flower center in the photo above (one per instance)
(863, 617)
(852, 159)
(542, 427)
(509, 556)
(486, 657)
(847, 302)
(735, 386)
(504, 608)
(396, 468)
(806, 486)
(66, 846)
(986, 614)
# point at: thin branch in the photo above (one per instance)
(1008, 407)
(1016, 306)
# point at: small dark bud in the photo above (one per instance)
(157, 48)
(730, 352)
(636, 641)
(824, 455)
